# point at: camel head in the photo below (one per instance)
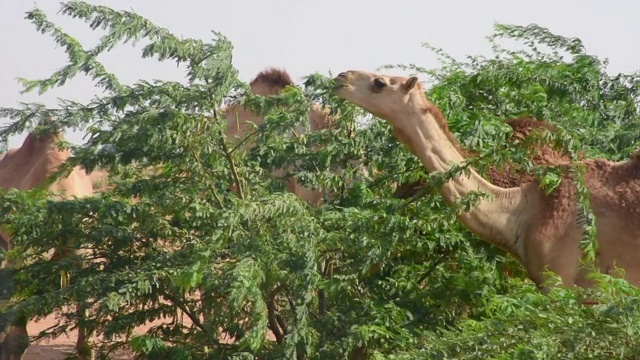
(399, 100)
(383, 96)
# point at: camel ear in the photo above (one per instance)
(410, 84)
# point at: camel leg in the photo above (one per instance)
(5, 327)
(13, 327)
(84, 345)
(16, 341)
(6, 291)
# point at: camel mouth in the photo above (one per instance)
(339, 84)
(337, 87)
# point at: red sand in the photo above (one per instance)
(63, 345)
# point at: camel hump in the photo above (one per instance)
(270, 81)
(34, 141)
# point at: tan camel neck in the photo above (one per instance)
(498, 219)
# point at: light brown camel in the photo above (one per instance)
(542, 232)
(29, 167)
(241, 123)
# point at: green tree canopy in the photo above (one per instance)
(365, 275)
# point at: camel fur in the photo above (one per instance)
(542, 231)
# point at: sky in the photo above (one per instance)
(304, 36)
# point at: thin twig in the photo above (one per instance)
(186, 310)
(234, 170)
(212, 188)
(292, 305)
(432, 268)
(282, 323)
(227, 154)
(322, 303)
(273, 323)
(322, 297)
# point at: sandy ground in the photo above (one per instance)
(63, 345)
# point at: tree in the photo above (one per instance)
(365, 275)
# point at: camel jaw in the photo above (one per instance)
(340, 85)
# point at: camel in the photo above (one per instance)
(241, 122)
(29, 167)
(542, 231)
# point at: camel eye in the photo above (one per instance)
(379, 83)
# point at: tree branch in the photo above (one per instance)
(188, 312)
(273, 323)
(433, 267)
(234, 170)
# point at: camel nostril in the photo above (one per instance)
(342, 75)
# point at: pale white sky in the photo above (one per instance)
(305, 36)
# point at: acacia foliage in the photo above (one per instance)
(364, 275)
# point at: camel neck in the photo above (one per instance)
(497, 219)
